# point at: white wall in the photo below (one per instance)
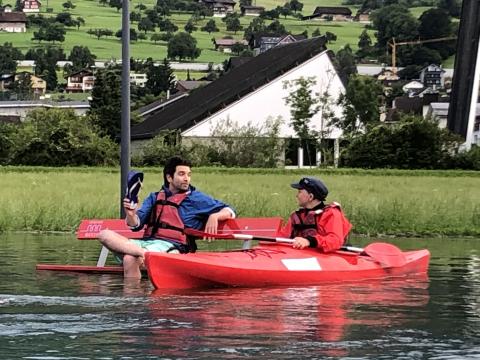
(269, 100)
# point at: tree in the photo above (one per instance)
(303, 106)
(81, 58)
(437, 23)
(361, 103)
(316, 32)
(296, 5)
(285, 10)
(183, 45)
(66, 19)
(393, 21)
(210, 26)
(167, 26)
(117, 4)
(145, 24)
(330, 37)
(190, 27)
(232, 22)
(50, 32)
(8, 57)
(57, 137)
(22, 86)
(346, 63)
(156, 37)
(135, 17)
(46, 63)
(364, 45)
(133, 34)
(277, 28)
(257, 25)
(160, 78)
(238, 47)
(105, 106)
(68, 5)
(98, 33)
(79, 22)
(452, 7)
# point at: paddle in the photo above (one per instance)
(386, 254)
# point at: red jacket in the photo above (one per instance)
(329, 227)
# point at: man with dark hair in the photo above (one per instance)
(166, 213)
(315, 224)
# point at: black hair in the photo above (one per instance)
(171, 167)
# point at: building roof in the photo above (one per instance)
(434, 68)
(230, 2)
(236, 61)
(229, 42)
(229, 88)
(13, 17)
(251, 7)
(332, 10)
(158, 104)
(189, 85)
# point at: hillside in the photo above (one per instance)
(98, 16)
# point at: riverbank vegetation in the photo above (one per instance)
(378, 202)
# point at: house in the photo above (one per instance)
(39, 86)
(138, 79)
(220, 8)
(363, 16)
(241, 95)
(261, 42)
(31, 6)
(14, 21)
(80, 81)
(412, 87)
(433, 76)
(330, 13)
(250, 10)
(18, 110)
(6, 8)
(226, 45)
(185, 86)
(387, 77)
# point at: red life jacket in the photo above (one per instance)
(165, 221)
(305, 221)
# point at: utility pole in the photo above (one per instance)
(466, 77)
(125, 118)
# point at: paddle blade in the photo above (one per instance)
(386, 254)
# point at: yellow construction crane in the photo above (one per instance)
(393, 44)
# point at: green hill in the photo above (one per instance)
(98, 16)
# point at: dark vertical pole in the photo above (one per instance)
(125, 136)
(465, 60)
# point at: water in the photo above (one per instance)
(55, 315)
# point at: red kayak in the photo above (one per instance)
(280, 265)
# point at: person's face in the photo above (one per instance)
(181, 179)
(303, 197)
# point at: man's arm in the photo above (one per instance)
(211, 226)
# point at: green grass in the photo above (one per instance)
(97, 16)
(377, 202)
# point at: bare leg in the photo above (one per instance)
(134, 254)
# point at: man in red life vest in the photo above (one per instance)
(315, 224)
(166, 213)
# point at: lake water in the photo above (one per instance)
(58, 315)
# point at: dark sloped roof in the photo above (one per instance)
(332, 10)
(235, 84)
(14, 16)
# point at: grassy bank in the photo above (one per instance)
(377, 202)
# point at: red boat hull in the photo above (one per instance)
(272, 265)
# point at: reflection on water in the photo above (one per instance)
(78, 316)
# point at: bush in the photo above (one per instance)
(57, 137)
(413, 143)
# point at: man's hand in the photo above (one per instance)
(300, 243)
(211, 227)
(131, 212)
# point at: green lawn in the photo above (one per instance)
(97, 16)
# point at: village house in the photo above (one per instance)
(220, 8)
(240, 95)
(13, 21)
(16, 111)
(6, 8)
(433, 76)
(413, 87)
(31, 6)
(363, 16)
(330, 13)
(250, 10)
(80, 81)
(226, 45)
(185, 86)
(261, 42)
(138, 79)
(39, 86)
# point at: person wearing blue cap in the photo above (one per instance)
(166, 213)
(316, 224)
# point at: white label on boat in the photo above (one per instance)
(302, 264)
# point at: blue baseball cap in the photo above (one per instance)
(313, 186)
